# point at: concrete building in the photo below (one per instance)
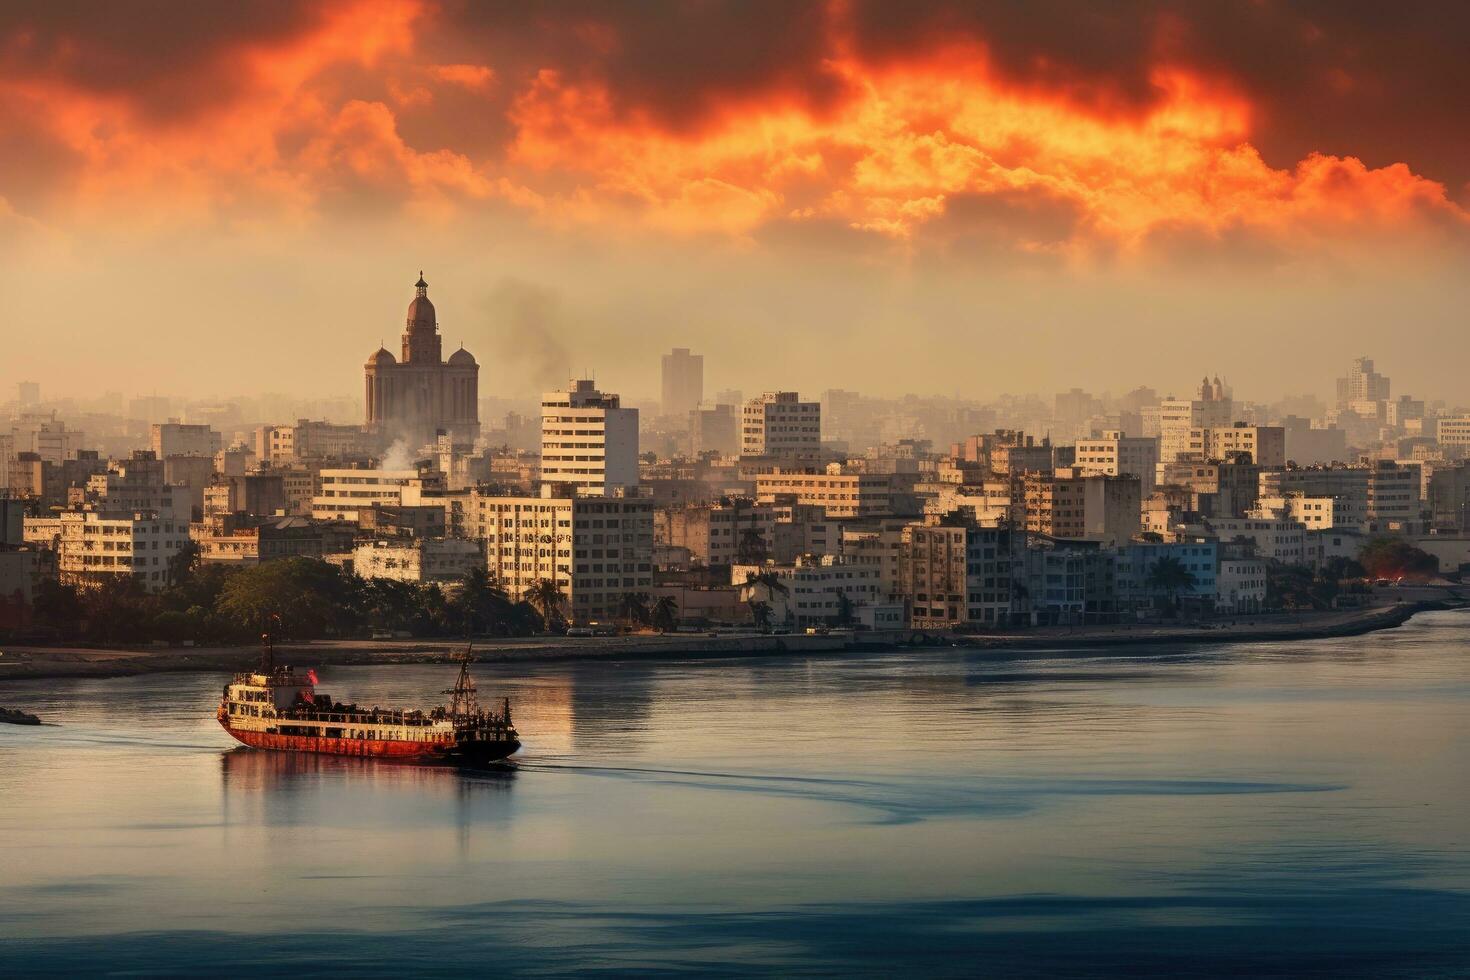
(1095, 508)
(1309, 444)
(683, 382)
(719, 534)
(419, 560)
(596, 548)
(1178, 418)
(342, 494)
(1137, 561)
(813, 587)
(1115, 454)
(1453, 432)
(176, 439)
(1240, 586)
(1275, 539)
(1266, 444)
(1362, 384)
(256, 494)
(714, 430)
(779, 424)
(422, 394)
(1062, 582)
(138, 484)
(1217, 488)
(588, 440)
(94, 547)
(230, 539)
(839, 492)
(315, 440)
(1312, 513)
(1449, 498)
(956, 572)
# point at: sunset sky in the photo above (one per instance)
(951, 198)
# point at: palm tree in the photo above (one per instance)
(771, 582)
(546, 596)
(665, 613)
(760, 613)
(844, 609)
(1169, 576)
(752, 549)
(633, 608)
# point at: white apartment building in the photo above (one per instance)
(779, 423)
(314, 439)
(1241, 586)
(423, 560)
(812, 587)
(1276, 539)
(176, 439)
(342, 493)
(588, 440)
(94, 547)
(596, 548)
(1115, 454)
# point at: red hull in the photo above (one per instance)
(366, 747)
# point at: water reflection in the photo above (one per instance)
(1282, 808)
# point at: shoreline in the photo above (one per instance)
(33, 663)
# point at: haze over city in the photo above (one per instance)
(845, 488)
(1000, 199)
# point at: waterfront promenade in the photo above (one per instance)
(20, 662)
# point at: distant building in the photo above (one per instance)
(840, 492)
(1094, 508)
(1362, 384)
(1265, 443)
(778, 424)
(94, 547)
(308, 439)
(175, 439)
(1114, 454)
(714, 429)
(1210, 408)
(813, 588)
(422, 560)
(588, 440)
(683, 382)
(423, 394)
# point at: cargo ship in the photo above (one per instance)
(276, 708)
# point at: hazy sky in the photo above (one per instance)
(951, 198)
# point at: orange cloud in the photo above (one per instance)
(316, 129)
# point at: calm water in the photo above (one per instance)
(1266, 808)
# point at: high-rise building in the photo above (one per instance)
(779, 423)
(1362, 384)
(28, 395)
(588, 439)
(683, 378)
(1114, 454)
(423, 394)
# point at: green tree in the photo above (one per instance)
(58, 607)
(752, 549)
(312, 597)
(633, 608)
(547, 598)
(760, 613)
(665, 613)
(1395, 558)
(1169, 577)
(844, 610)
(182, 565)
(482, 604)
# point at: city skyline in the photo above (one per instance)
(586, 190)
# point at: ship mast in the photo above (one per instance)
(462, 699)
(267, 645)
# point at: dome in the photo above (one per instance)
(383, 357)
(461, 358)
(421, 312)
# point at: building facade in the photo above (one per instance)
(588, 440)
(779, 423)
(421, 394)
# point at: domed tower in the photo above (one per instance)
(421, 338)
(420, 396)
